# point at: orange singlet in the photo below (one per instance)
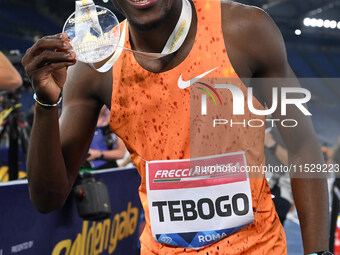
(160, 121)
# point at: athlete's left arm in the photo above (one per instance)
(269, 58)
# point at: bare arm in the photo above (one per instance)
(310, 193)
(261, 46)
(125, 162)
(9, 76)
(109, 155)
(58, 147)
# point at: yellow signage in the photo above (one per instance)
(101, 236)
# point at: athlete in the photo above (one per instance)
(154, 111)
(106, 147)
(9, 76)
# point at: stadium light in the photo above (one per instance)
(307, 22)
(298, 32)
(327, 23)
(320, 23)
(333, 24)
(313, 22)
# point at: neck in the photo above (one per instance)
(153, 39)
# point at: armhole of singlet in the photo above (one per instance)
(118, 62)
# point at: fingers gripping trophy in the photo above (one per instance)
(90, 35)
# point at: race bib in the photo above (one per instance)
(196, 202)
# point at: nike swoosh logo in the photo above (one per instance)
(185, 84)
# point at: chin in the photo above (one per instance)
(147, 24)
(145, 15)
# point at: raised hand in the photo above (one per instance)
(46, 64)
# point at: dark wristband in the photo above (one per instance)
(101, 155)
(273, 148)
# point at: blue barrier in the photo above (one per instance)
(4, 158)
(25, 231)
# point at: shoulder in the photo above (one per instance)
(245, 20)
(254, 33)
